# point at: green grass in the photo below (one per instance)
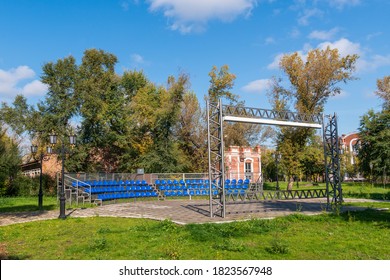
(350, 189)
(351, 235)
(26, 203)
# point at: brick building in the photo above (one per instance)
(50, 167)
(350, 145)
(243, 163)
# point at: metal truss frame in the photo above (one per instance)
(216, 159)
(217, 113)
(331, 143)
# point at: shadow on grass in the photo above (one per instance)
(377, 196)
(375, 217)
(25, 208)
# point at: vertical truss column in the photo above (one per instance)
(332, 161)
(216, 158)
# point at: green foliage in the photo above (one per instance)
(313, 81)
(374, 133)
(221, 83)
(277, 246)
(10, 161)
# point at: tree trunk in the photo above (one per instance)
(290, 183)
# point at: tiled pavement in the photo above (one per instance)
(179, 211)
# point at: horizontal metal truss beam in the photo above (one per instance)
(277, 195)
(271, 122)
(280, 117)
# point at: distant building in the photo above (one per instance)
(243, 163)
(32, 167)
(350, 144)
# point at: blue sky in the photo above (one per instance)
(164, 37)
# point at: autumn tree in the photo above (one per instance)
(221, 84)
(155, 113)
(383, 90)
(313, 80)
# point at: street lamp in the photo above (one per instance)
(277, 156)
(62, 151)
(41, 157)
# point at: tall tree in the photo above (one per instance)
(221, 83)
(156, 111)
(383, 90)
(102, 110)
(313, 80)
(60, 104)
(374, 133)
(191, 133)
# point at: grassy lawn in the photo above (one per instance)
(26, 203)
(352, 235)
(350, 189)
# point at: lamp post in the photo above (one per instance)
(41, 157)
(371, 167)
(277, 156)
(62, 151)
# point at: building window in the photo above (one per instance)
(248, 170)
(248, 167)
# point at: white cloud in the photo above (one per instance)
(137, 58)
(343, 94)
(323, 35)
(344, 46)
(308, 14)
(13, 82)
(269, 40)
(341, 3)
(35, 88)
(372, 63)
(192, 15)
(257, 85)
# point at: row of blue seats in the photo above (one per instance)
(200, 192)
(118, 189)
(199, 182)
(112, 196)
(197, 187)
(110, 183)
